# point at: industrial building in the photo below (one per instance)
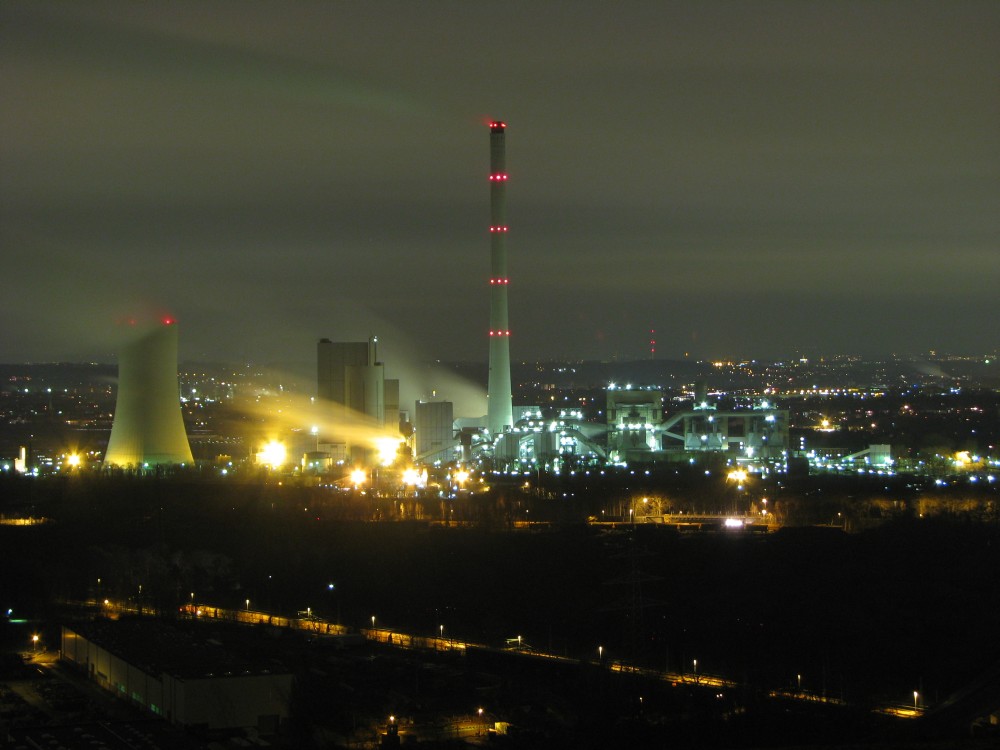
(351, 386)
(634, 417)
(638, 431)
(549, 444)
(434, 431)
(191, 681)
(148, 428)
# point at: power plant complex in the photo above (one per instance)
(514, 439)
(364, 423)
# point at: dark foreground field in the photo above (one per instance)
(911, 605)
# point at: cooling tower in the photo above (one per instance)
(148, 428)
(499, 413)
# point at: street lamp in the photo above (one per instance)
(696, 670)
(798, 677)
(739, 476)
(34, 647)
(332, 588)
(916, 695)
(600, 653)
(373, 622)
(248, 605)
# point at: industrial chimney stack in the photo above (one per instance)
(500, 411)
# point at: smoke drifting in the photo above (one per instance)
(434, 382)
(421, 380)
(278, 416)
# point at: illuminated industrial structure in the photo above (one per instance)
(549, 444)
(760, 433)
(435, 431)
(499, 400)
(638, 431)
(351, 384)
(148, 428)
(634, 420)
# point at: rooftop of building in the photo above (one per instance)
(181, 650)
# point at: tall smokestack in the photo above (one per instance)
(500, 411)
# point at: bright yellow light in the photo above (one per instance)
(359, 476)
(461, 477)
(273, 454)
(73, 459)
(414, 478)
(387, 448)
(738, 475)
(962, 458)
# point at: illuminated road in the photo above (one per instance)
(394, 638)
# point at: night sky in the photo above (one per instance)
(756, 179)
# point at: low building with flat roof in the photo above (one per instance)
(188, 680)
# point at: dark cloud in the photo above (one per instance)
(758, 176)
